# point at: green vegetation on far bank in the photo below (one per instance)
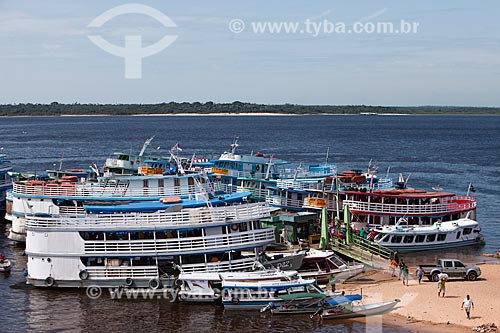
(57, 109)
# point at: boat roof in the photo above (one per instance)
(153, 206)
(344, 299)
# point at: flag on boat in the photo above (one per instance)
(471, 188)
(177, 147)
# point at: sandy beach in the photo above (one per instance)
(422, 310)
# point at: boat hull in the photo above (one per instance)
(360, 310)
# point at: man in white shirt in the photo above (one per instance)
(467, 304)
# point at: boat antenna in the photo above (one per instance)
(94, 169)
(407, 178)
(175, 157)
(192, 160)
(269, 165)
(145, 145)
(297, 169)
(387, 174)
(61, 161)
(327, 152)
(234, 145)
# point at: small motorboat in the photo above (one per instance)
(5, 265)
(347, 310)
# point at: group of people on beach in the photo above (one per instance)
(396, 262)
(403, 268)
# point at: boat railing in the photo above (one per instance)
(5, 183)
(174, 246)
(116, 272)
(221, 266)
(256, 192)
(307, 172)
(100, 191)
(227, 188)
(454, 204)
(371, 247)
(304, 184)
(285, 202)
(216, 215)
(71, 210)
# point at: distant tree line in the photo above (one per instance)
(57, 109)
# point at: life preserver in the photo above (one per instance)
(49, 281)
(234, 300)
(257, 168)
(129, 282)
(234, 227)
(84, 275)
(170, 200)
(154, 283)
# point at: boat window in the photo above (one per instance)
(408, 239)
(420, 239)
(161, 183)
(396, 239)
(92, 235)
(459, 234)
(431, 238)
(243, 227)
(467, 231)
(441, 237)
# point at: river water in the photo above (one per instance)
(450, 151)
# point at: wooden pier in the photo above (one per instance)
(364, 250)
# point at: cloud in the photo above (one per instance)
(325, 13)
(372, 15)
(23, 24)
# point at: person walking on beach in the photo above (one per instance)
(420, 274)
(405, 275)
(394, 264)
(401, 265)
(441, 285)
(467, 304)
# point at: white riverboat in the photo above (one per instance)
(38, 197)
(141, 249)
(441, 235)
(207, 286)
(5, 182)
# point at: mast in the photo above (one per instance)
(145, 145)
(234, 145)
(269, 165)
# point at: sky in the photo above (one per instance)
(219, 54)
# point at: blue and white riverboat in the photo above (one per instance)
(5, 182)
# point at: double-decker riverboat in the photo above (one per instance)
(5, 182)
(142, 249)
